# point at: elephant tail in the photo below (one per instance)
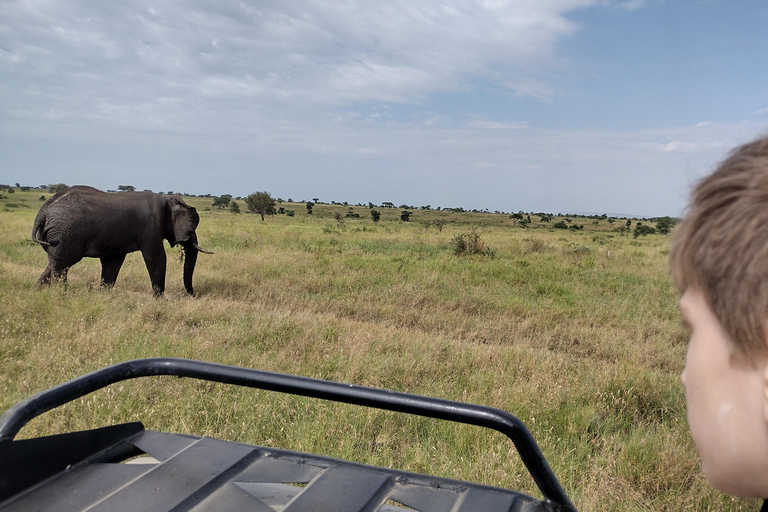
(38, 228)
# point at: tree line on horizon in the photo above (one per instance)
(263, 204)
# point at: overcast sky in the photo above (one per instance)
(599, 106)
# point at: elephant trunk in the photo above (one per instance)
(190, 259)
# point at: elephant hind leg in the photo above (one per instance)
(110, 268)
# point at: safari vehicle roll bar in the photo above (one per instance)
(78, 471)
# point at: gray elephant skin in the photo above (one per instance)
(82, 222)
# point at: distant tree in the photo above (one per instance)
(56, 188)
(126, 188)
(234, 207)
(665, 224)
(387, 204)
(375, 216)
(643, 230)
(310, 205)
(222, 201)
(405, 215)
(261, 203)
(315, 200)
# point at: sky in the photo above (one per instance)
(572, 106)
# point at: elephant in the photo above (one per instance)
(83, 222)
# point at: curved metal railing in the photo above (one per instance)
(20, 414)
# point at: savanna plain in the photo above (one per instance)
(576, 332)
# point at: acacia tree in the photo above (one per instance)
(222, 201)
(261, 203)
(665, 224)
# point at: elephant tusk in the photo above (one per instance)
(202, 250)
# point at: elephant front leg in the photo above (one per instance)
(156, 261)
(110, 267)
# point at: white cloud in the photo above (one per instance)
(490, 125)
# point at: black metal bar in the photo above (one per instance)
(20, 414)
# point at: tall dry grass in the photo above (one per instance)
(574, 332)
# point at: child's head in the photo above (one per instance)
(719, 261)
(721, 247)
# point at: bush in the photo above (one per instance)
(470, 243)
(665, 224)
(643, 230)
(560, 225)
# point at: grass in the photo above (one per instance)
(575, 332)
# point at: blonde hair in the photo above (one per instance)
(721, 247)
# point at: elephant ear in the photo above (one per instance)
(184, 219)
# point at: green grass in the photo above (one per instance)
(576, 333)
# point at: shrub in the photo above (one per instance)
(560, 225)
(470, 243)
(643, 230)
(665, 224)
(535, 245)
